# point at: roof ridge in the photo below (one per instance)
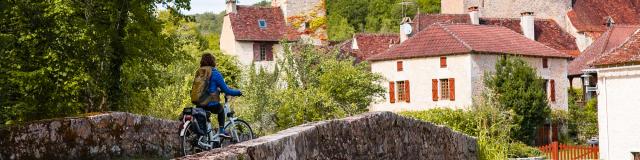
(455, 36)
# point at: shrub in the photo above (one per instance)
(491, 125)
(519, 89)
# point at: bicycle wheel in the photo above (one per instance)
(239, 132)
(189, 141)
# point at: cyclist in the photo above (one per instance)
(216, 85)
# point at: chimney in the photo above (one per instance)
(405, 29)
(473, 15)
(527, 23)
(231, 6)
(354, 43)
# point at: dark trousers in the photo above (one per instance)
(216, 109)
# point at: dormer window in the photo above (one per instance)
(262, 23)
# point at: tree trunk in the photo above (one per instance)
(115, 89)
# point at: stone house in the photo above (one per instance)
(252, 34)
(444, 64)
(618, 71)
(582, 67)
(583, 19)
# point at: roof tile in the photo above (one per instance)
(370, 44)
(446, 39)
(610, 40)
(245, 24)
(589, 15)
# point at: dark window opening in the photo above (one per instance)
(262, 23)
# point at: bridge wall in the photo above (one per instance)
(104, 136)
(376, 135)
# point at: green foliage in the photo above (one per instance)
(517, 87)
(209, 23)
(67, 57)
(489, 124)
(63, 58)
(347, 16)
(582, 121)
(307, 85)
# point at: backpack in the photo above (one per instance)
(199, 88)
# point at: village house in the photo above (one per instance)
(582, 66)
(253, 34)
(444, 64)
(618, 73)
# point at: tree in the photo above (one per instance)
(68, 57)
(309, 84)
(339, 28)
(518, 88)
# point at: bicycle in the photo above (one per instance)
(192, 142)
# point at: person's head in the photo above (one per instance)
(207, 60)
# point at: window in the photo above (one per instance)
(399, 66)
(401, 91)
(262, 23)
(263, 52)
(545, 63)
(443, 62)
(444, 89)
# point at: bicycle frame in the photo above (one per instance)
(231, 122)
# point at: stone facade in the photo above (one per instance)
(543, 9)
(104, 136)
(376, 135)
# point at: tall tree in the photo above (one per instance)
(517, 87)
(66, 57)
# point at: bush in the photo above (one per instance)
(308, 84)
(491, 125)
(518, 88)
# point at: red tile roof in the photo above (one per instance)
(547, 31)
(610, 40)
(422, 21)
(446, 39)
(589, 15)
(369, 44)
(628, 52)
(245, 27)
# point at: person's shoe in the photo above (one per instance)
(224, 135)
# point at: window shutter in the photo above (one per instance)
(443, 62)
(256, 51)
(545, 63)
(399, 66)
(392, 89)
(407, 96)
(269, 52)
(434, 89)
(452, 89)
(552, 84)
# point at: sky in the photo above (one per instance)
(215, 6)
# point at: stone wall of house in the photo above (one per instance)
(376, 135)
(103, 136)
(543, 9)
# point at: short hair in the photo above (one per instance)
(207, 60)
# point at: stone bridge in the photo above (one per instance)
(116, 135)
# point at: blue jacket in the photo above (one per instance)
(217, 82)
